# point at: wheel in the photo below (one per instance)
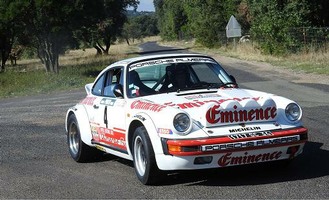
(145, 165)
(79, 151)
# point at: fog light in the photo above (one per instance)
(292, 150)
(202, 160)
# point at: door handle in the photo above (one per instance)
(95, 106)
(105, 117)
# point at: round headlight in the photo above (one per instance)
(293, 112)
(181, 122)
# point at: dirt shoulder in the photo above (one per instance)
(263, 69)
(267, 69)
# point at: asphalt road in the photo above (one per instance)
(35, 163)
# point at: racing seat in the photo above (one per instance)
(142, 89)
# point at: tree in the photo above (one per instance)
(205, 20)
(52, 23)
(108, 24)
(12, 14)
(319, 15)
(139, 25)
(171, 18)
(57, 24)
(272, 22)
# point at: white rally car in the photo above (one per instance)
(181, 112)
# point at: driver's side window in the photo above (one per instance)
(105, 84)
(114, 77)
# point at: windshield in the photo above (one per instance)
(162, 76)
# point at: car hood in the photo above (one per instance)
(214, 108)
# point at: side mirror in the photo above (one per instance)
(234, 81)
(233, 78)
(118, 90)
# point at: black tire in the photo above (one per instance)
(145, 165)
(79, 151)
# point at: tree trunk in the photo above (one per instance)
(127, 40)
(3, 61)
(49, 55)
(98, 50)
(107, 48)
(6, 45)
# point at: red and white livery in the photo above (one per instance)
(181, 112)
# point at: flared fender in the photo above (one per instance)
(151, 130)
(81, 115)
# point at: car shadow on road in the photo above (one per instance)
(312, 163)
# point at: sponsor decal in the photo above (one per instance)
(198, 103)
(200, 96)
(142, 105)
(244, 129)
(140, 117)
(107, 102)
(228, 159)
(164, 131)
(250, 144)
(250, 135)
(110, 137)
(169, 61)
(215, 115)
(88, 101)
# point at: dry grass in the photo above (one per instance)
(310, 62)
(77, 67)
(80, 57)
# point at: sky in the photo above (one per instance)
(145, 5)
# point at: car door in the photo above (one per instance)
(109, 113)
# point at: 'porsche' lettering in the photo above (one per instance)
(248, 144)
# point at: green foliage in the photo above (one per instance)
(139, 26)
(272, 21)
(12, 15)
(52, 26)
(171, 18)
(204, 20)
(207, 19)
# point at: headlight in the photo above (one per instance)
(293, 112)
(181, 122)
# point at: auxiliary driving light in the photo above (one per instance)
(202, 160)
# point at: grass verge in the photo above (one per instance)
(77, 68)
(308, 62)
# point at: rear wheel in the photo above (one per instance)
(145, 165)
(79, 151)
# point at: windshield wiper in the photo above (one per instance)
(205, 85)
(229, 85)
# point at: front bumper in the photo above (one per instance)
(229, 151)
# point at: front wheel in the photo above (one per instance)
(79, 151)
(145, 165)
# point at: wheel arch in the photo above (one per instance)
(143, 119)
(83, 122)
